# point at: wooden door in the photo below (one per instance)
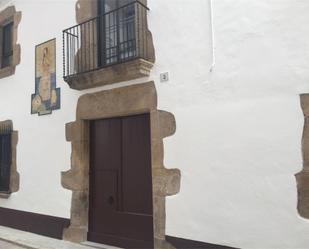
(120, 208)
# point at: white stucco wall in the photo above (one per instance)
(42, 153)
(238, 127)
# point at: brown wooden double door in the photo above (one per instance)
(120, 207)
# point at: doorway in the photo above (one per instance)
(120, 187)
(124, 102)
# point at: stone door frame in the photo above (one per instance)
(302, 177)
(118, 102)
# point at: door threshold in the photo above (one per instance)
(99, 246)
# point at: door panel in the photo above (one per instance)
(120, 209)
(136, 157)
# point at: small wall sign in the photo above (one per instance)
(47, 96)
(164, 77)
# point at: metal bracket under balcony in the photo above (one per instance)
(111, 48)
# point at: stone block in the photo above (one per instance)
(157, 153)
(304, 101)
(79, 210)
(166, 182)
(167, 124)
(303, 193)
(129, 100)
(75, 234)
(74, 180)
(162, 243)
(159, 217)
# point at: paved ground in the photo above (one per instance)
(5, 245)
(30, 240)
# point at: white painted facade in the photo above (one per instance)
(239, 126)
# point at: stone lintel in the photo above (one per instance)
(129, 100)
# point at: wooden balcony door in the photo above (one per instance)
(120, 195)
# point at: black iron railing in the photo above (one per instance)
(115, 37)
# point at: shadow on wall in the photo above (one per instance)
(190, 244)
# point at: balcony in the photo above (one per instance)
(111, 48)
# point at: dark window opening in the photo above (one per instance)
(5, 158)
(117, 31)
(7, 44)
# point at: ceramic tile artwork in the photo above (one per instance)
(47, 96)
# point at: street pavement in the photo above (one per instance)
(5, 245)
